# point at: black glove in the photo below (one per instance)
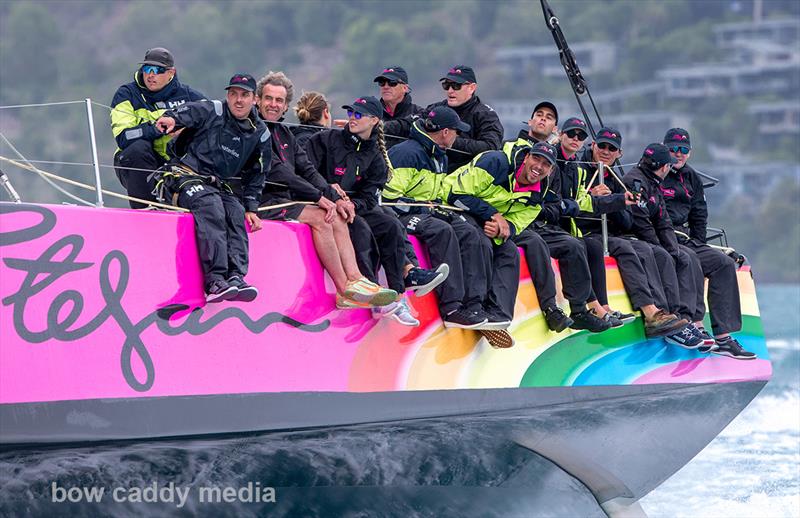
(570, 207)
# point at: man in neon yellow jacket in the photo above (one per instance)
(501, 192)
(141, 148)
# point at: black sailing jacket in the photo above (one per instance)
(217, 144)
(686, 201)
(651, 221)
(355, 164)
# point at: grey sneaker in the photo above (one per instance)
(220, 290)
(399, 311)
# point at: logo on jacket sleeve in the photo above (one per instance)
(668, 193)
(339, 171)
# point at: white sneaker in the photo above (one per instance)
(399, 311)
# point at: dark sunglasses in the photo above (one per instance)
(384, 82)
(576, 133)
(153, 69)
(606, 146)
(447, 85)
(356, 115)
(680, 149)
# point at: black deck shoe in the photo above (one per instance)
(556, 319)
(464, 319)
(220, 290)
(247, 293)
(495, 320)
(729, 347)
(588, 321)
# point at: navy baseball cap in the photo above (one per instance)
(546, 150)
(609, 136)
(460, 74)
(659, 154)
(545, 104)
(243, 81)
(443, 117)
(366, 106)
(574, 123)
(158, 56)
(393, 73)
(677, 137)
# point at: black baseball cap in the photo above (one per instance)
(393, 73)
(443, 117)
(460, 74)
(659, 154)
(545, 104)
(158, 56)
(574, 123)
(677, 137)
(243, 81)
(366, 106)
(609, 136)
(546, 150)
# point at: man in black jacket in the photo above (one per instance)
(141, 148)
(397, 104)
(651, 223)
(486, 132)
(219, 140)
(682, 189)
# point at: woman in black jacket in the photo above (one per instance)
(355, 159)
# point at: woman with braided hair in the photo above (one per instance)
(355, 159)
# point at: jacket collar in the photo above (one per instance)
(430, 147)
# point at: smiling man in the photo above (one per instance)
(218, 141)
(141, 148)
(502, 194)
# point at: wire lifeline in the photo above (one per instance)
(39, 104)
(88, 187)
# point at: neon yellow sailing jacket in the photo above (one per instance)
(135, 109)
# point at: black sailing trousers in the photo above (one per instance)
(379, 238)
(634, 276)
(127, 165)
(220, 229)
(723, 288)
(576, 281)
(459, 244)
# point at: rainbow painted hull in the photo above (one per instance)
(105, 336)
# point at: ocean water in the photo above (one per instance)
(751, 470)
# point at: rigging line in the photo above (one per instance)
(39, 104)
(89, 187)
(53, 185)
(55, 162)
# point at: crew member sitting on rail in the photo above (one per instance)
(651, 223)
(420, 166)
(294, 178)
(544, 238)
(502, 193)
(141, 148)
(644, 268)
(355, 159)
(219, 140)
(683, 193)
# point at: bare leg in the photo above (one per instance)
(326, 245)
(347, 255)
(598, 309)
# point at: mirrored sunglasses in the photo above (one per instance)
(153, 69)
(355, 115)
(680, 149)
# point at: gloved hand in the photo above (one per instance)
(570, 208)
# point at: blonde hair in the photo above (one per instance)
(310, 106)
(276, 79)
(381, 138)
